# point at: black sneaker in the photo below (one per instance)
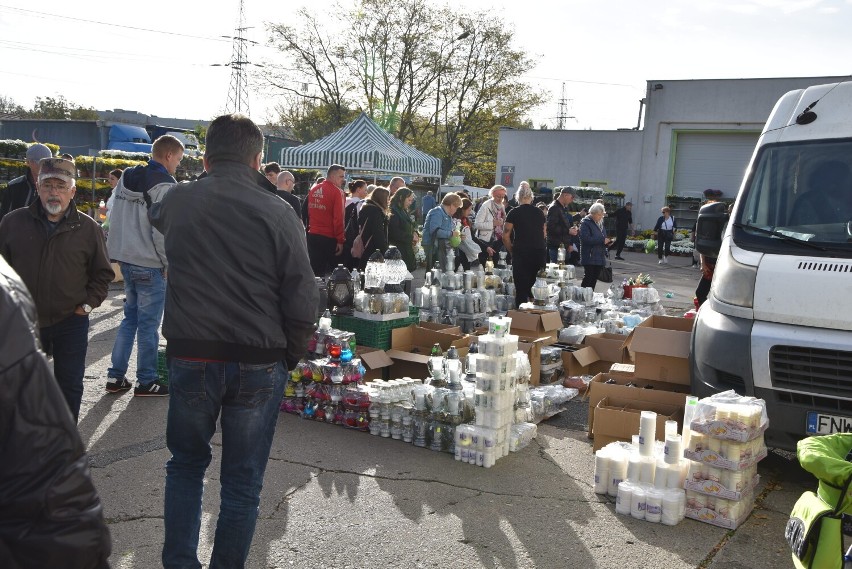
(117, 384)
(617, 258)
(155, 389)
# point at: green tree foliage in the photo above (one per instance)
(442, 80)
(59, 108)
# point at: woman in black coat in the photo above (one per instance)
(373, 220)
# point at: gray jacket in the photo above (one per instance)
(131, 238)
(240, 284)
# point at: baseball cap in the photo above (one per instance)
(36, 152)
(568, 190)
(57, 168)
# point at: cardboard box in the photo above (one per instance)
(660, 348)
(611, 348)
(617, 419)
(375, 361)
(536, 324)
(532, 347)
(445, 328)
(623, 371)
(662, 393)
(576, 360)
(410, 348)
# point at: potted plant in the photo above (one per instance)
(641, 280)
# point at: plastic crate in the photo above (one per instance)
(372, 333)
(162, 367)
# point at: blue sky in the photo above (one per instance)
(602, 50)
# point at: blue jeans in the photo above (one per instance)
(67, 341)
(248, 397)
(145, 297)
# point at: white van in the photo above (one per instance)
(778, 321)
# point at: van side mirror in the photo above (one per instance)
(712, 220)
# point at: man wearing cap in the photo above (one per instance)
(623, 221)
(560, 229)
(141, 253)
(21, 191)
(61, 256)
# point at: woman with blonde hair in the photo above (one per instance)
(593, 244)
(438, 228)
(401, 232)
(373, 223)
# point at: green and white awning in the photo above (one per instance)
(362, 145)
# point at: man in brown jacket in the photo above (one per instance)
(61, 256)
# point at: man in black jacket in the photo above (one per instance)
(240, 304)
(21, 191)
(560, 229)
(50, 513)
(623, 221)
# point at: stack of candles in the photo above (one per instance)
(487, 440)
(645, 478)
(725, 435)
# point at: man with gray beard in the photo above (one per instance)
(60, 254)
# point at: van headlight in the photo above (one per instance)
(733, 282)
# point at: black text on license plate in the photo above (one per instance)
(822, 424)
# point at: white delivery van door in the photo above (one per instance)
(710, 160)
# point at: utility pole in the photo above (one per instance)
(562, 111)
(238, 97)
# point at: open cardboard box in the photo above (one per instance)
(438, 327)
(410, 348)
(618, 419)
(532, 348)
(611, 349)
(375, 361)
(660, 348)
(662, 393)
(578, 359)
(536, 324)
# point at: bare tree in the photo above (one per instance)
(444, 80)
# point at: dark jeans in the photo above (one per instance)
(247, 397)
(591, 274)
(620, 238)
(67, 341)
(526, 265)
(664, 243)
(321, 253)
(702, 290)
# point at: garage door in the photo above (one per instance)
(708, 160)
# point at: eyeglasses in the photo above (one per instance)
(60, 187)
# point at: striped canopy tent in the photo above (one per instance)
(362, 145)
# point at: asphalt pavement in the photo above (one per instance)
(339, 498)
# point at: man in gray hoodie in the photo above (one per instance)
(141, 254)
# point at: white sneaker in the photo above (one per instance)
(660, 262)
(665, 260)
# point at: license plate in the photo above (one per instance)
(822, 424)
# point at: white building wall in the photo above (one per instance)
(570, 156)
(641, 163)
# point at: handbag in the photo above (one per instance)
(358, 246)
(605, 275)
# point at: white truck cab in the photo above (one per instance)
(778, 321)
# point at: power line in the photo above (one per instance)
(37, 14)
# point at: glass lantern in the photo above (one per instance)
(341, 290)
(375, 275)
(470, 362)
(540, 291)
(436, 364)
(453, 368)
(395, 270)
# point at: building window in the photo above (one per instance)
(593, 184)
(540, 183)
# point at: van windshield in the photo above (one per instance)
(799, 192)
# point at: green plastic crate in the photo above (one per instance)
(370, 332)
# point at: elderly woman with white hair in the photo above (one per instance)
(523, 237)
(593, 244)
(490, 219)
